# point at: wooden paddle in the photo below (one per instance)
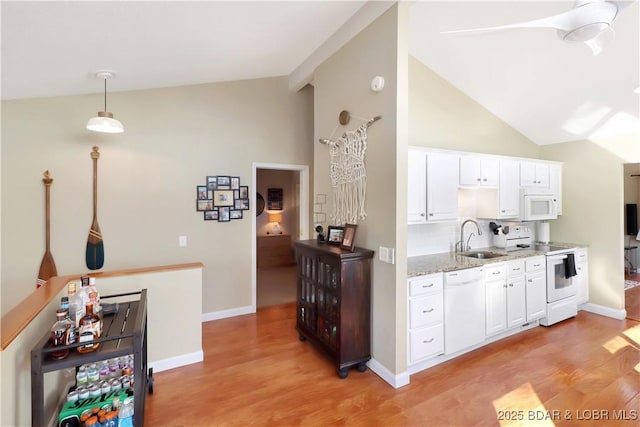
(47, 266)
(95, 246)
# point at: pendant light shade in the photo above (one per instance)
(104, 121)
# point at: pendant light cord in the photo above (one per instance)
(105, 94)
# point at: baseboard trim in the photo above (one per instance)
(396, 381)
(176, 362)
(223, 314)
(604, 311)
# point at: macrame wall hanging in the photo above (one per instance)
(348, 173)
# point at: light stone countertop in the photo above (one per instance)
(450, 261)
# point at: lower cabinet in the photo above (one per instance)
(582, 278)
(495, 298)
(536, 284)
(425, 317)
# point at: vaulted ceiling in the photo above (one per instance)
(549, 90)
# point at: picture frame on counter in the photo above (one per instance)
(334, 235)
(349, 237)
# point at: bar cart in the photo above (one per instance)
(123, 333)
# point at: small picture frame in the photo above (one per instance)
(224, 214)
(223, 198)
(244, 192)
(241, 204)
(335, 235)
(349, 237)
(212, 183)
(235, 182)
(274, 199)
(202, 192)
(235, 214)
(204, 205)
(210, 215)
(224, 183)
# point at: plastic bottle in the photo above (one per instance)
(125, 413)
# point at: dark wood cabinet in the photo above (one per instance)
(334, 302)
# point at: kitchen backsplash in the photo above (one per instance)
(429, 239)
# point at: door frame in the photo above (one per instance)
(303, 215)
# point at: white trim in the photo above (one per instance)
(396, 381)
(176, 362)
(223, 314)
(604, 311)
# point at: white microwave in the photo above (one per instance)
(538, 204)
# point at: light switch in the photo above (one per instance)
(182, 241)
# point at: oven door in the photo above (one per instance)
(558, 286)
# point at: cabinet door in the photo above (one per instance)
(426, 310)
(582, 282)
(417, 187)
(555, 183)
(470, 170)
(442, 186)
(536, 294)
(489, 172)
(426, 342)
(496, 306)
(542, 175)
(516, 302)
(509, 190)
(527, 174)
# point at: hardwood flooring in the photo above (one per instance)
(276, 285)
(257, 373)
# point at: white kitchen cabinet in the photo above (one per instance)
(582, 278)
(533, 174)
(425, 317)
(516, 293)
(495, 299)
(442, 186)
(536, 287)
(555, 183)
(417, 187)
(478, 171)
(503, 202)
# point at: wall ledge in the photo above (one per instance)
(22, 314)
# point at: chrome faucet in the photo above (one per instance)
(461, 243)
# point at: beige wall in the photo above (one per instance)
(592, 213)
(343, 83)
(147, 178)
(440, 116)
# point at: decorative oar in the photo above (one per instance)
(95, 246)
(47, 266)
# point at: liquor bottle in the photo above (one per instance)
(89, 330)
(76, 307)
(59, 335)
(93, 298)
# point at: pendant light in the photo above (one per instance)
(104, 121)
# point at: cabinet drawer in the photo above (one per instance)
(425, 310)
(535, 264)
(426, 342)
(581, 255)
(495, 272)
(425, 284)
(515, 267)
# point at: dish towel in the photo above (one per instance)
(569, 266)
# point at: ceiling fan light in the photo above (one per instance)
(584, 33)
(105, 123)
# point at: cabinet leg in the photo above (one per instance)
(302, 337)
(150, 380)
(362, 366)
(343, 373)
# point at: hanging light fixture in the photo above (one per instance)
(104, 121)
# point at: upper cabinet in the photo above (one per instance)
(478, 171)
(432, 190)
(534, 174)
(503, 202)
(442, 186)
(417, 187)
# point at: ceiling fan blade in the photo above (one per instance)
(599, 42)
(556, 21)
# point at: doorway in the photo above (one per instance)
(284, 219)
(632, 244)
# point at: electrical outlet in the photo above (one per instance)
(182, 241)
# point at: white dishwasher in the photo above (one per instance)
(464, 309)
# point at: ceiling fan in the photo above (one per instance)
(590, 22)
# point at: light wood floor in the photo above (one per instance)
(632, 298)
(276, 285)
(257, 373)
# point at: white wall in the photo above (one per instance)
(147, 178)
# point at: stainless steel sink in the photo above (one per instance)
(482, 254)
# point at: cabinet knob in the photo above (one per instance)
(422, 214)
(495, 272)
(530, 280)
(430, 285)
(428, 311)
(504, 286)
(428, 341)
(511, 285)
(516, 269)
(431, 214)
(484, 179)
(503, 211)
